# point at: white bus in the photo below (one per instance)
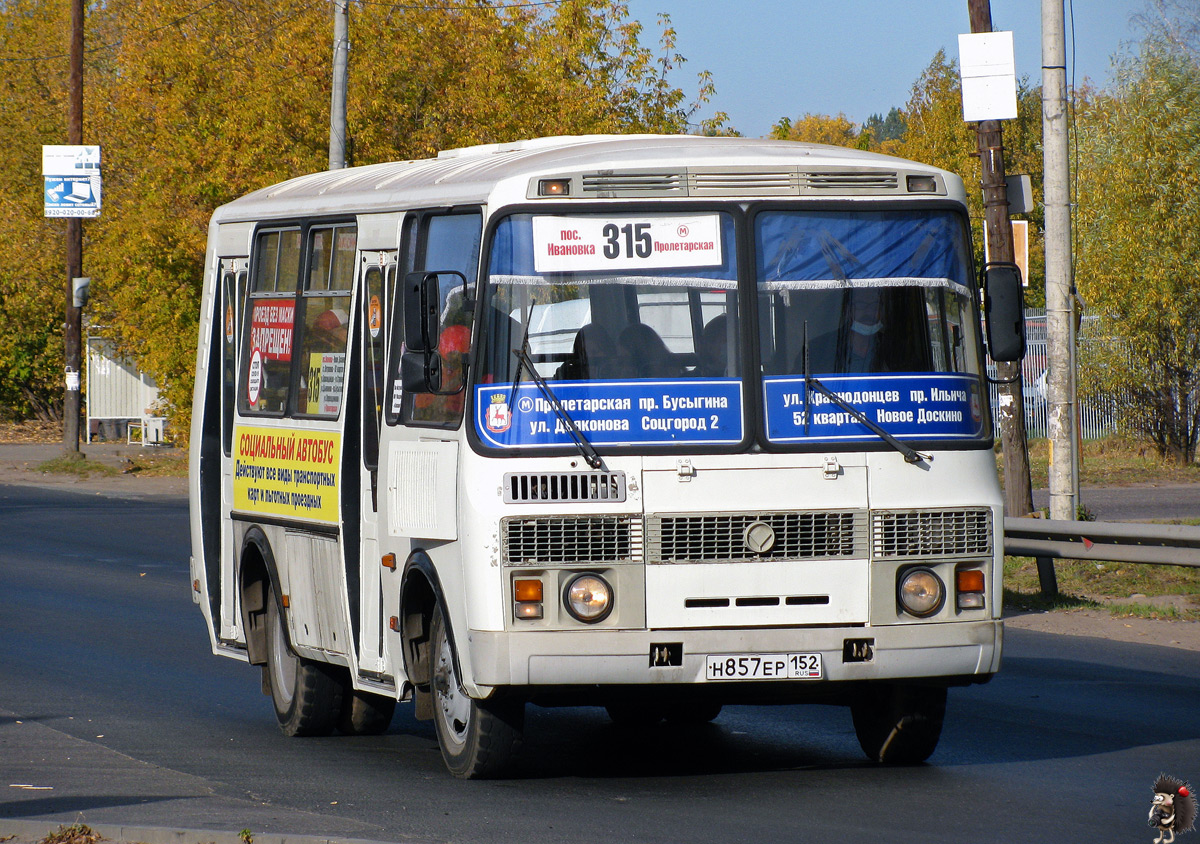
(658, 424)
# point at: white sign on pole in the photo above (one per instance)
(71, 177)
(989, 76)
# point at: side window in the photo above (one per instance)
(447, 242)
(321, 376)
(269, 324)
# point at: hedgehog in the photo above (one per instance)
(1173, 809)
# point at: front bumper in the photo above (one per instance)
(623, 657)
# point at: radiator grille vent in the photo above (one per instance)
(571, 540)
(931, 533)
(733, 537)
(716, 184)
(850, 180)
(520, 487)
(662, 184)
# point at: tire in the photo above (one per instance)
(364, 714)
(307, 695)
(636, 715)
(694, 712)
(478, 739)
(899, 724)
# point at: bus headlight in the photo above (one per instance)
(921, 592)
(588, 598)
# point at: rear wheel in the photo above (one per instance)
(365, 714)
(306, 694)
(899, 724)
(478, 738)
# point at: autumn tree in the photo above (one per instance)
(936, 134)
(196, 103)
(33, 268)
(819, 129)
(1138, 254)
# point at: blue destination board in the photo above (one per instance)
(691, 411)
(922, 406)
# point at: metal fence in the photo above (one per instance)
(1097, 414)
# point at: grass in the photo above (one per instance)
(148, 465)
(1112, 461)
(76, 466)
(1124, 589)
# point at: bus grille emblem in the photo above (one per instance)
(759, 537)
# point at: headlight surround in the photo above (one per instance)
(920, 592)
(588, 598)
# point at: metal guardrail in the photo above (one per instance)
(1118, 542)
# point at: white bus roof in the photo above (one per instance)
(600, 167)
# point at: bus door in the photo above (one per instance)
(376, 284)
(233, 275)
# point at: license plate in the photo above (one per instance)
(762, 667)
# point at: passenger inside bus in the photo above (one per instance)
(646, 355)
(712, 348)
(593, 355)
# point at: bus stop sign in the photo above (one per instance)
(71, 175)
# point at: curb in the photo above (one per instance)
(27, 831)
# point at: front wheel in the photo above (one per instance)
(899, 724)
(478, 738)
(306, 695)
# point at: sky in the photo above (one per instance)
(785, 58)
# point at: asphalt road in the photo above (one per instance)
(112, 710)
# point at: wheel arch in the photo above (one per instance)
(420, 593)
(257, 573)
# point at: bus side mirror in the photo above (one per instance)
(421, 302)
(1004, 309)
(421, 372)
(420, 363)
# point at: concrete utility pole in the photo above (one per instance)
(73, 327)
(1018, 495)
(337, 107)
(1060, 298)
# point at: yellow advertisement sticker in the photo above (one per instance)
(289, 473)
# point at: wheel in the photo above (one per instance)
(478, 738)
(364, 714)
(635, 715)
(694, 712)
(899, 724)
(307, 695)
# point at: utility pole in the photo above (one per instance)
(337, 106)
(73, 328)
(1060, 298)
(1018, 495)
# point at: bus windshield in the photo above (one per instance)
(629, 318)
(877, 305)
(633, 323)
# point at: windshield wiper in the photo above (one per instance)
(811, 382)
(525, 362)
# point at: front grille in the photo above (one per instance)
(571, 540)
(520, 487)
(931, 533)
(724, 537)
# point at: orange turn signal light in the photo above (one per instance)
(970, 580)
(527, 590)
(389, 561)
